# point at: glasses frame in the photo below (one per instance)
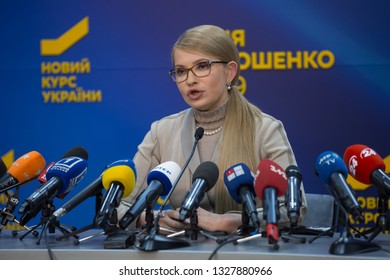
(172, 72)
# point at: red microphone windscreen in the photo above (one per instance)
(270, 174)
(362, 161)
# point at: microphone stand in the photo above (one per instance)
(47, 210)
(303, 230)
(246, 229)
(347, 245)
(116, 238)
(154, 240)
(98, 203)
(382, 222)
(194, 230)
(7, 214)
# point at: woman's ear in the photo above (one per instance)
(232, 69)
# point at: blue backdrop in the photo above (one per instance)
(322, 68)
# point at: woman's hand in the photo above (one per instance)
(209, 221)
(170, 220)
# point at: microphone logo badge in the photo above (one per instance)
(352, 164)
(163, 169)
(278, 171)
(66, 164)
(234, 172)
(329, 158)
(367, 152)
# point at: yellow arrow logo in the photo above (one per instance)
(52, 47)
(8, 158)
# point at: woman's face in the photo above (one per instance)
(203, 93)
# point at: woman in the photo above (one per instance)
(206, 71)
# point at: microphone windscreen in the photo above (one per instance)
(293, 170)
(166, 173)
(123, 172)
(328, 163)
(3, 168)
(237, 176)
(362, 161)
(27, 166)
(199, 133)
(207, 171)
(270, 174)
(70, 170)
(77, 151)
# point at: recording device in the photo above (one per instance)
(62, 177)
(239, 183)
(366, 166)
(119, 180)
(333, 172)
(294, 194)
(160, 181)
(270, 183)
(23, 170)
(205, 177)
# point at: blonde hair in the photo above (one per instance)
(237, 146)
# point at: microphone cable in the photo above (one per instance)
(234, 238)
(198, 135)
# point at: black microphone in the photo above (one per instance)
(199, 132)
(205, 177)
(92, 189)
(294, 194)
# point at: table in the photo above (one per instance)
(12, 248)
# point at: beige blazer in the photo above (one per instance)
(172, 138)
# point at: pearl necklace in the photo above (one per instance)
(211, 132)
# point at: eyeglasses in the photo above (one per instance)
(201, 69)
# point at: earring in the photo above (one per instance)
(229, 86)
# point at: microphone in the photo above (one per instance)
(153, 241)
(160, 181)
(270, 183)
(119, 180)
(23, 170)
(333, 172)
(366, 166)
(239, 183)
(92, 189)
(205, 177)
(62, 177)
(3, 168)
(293, 195)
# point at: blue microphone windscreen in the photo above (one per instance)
(328, 163)
(236, 176)
(70, 170)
